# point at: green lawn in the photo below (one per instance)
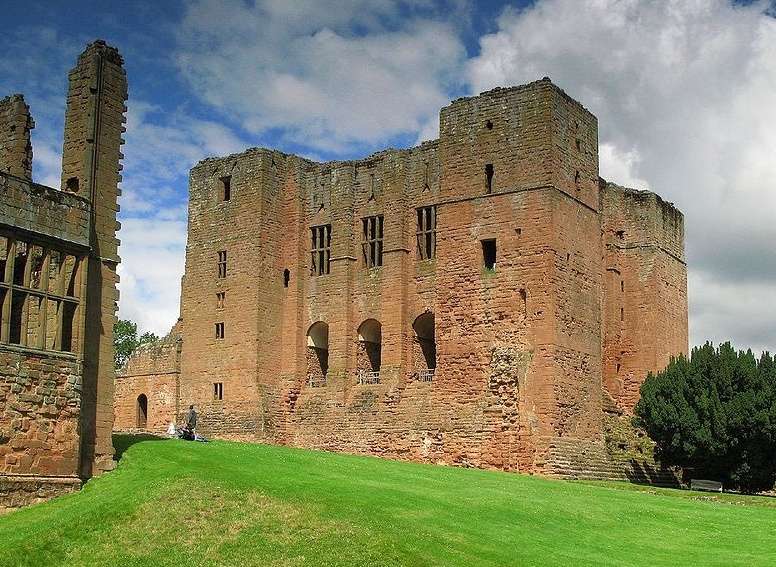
(182, 503)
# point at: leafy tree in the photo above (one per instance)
(125, 340)
(715, 414)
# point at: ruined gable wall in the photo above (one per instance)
(15, 146)
(645, 300)
(153, 370)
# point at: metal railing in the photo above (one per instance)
(317, 381)
(426, 374)
(368, 377)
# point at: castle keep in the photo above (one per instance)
(58, 257)
(479, 300)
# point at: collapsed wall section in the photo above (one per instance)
(148, 387)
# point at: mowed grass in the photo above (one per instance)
(181, 503)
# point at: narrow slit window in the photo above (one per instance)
(489, 254)
(222, 264)
(286, 277)
(372, 242)
(220, 299)
(426, 233)
(320, 252)
(622, 314)
(225, 184)
(218, 391)
(489, 177)
(219, 331)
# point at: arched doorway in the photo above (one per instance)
(317, 353)
(142, 411)
(369, 354)
(424, 346)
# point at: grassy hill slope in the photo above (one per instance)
(182, 503)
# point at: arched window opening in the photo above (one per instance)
(317, 354)
(424, 347)
(142, 411)
(369, 352)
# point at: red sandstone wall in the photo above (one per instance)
(153, 370)
(645, 303)
(40, 402)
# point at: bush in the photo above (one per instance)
(715, 414)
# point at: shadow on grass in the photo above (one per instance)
(123, 441)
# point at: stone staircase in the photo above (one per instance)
(578, 459)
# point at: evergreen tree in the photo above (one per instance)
(715, 414)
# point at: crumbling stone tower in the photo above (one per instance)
(58, 257)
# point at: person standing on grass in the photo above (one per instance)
(191, 421)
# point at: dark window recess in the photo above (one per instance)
(372, 242)
(72, 184)
(286, 277)
(524, 301)
(219, 330)
(622, 285)
(68, 317)
(226, 187)
(489, 254)
(426, 233)
(220, 299)
(618, 368)
(320, 251)
(489, 177)
(218, 391)
(519, 231)
(622, 314)
(489, 125)
(577, 178)
(222, 264)
(620, 234)
(426, 184)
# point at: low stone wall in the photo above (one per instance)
(17, 491)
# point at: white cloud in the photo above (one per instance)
(301, 68)
(684, 93)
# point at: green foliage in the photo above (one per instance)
(125, 340)
(715, 414)
(172, 502)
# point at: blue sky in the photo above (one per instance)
(685, 94)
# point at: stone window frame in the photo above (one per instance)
(372, 240)
(60, 291)
(220, 331)
(222, 264)
(218, 391)
(425, 232)
(320, 250)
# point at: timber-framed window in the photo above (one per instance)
(320, 250)
(372, 241)
(426, 233)
(40, 291)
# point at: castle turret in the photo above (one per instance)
(94, 122)
(15, 147)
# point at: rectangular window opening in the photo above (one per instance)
(220, 299)
(222, 264)
(226, 188)
(372, 241)
(68, 318)
(622, 314)
(426, 233)
(219, 331)
(489, 177)
(218, 391)
(489, 254)
(320, 251)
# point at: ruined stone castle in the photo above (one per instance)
(481, 300)
(58, 257)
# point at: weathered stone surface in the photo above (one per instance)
(520, 345)
(58, 256)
